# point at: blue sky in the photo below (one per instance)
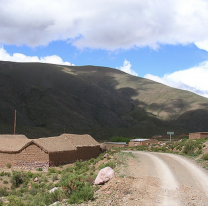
(162, 40)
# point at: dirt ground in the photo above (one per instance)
(152, 179)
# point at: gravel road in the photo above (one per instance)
(178, 180)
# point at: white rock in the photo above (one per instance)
(104, 175)
(52, 190)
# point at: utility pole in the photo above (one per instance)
(14, 121)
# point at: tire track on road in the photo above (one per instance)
(169, 185)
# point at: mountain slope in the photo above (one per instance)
(96, 100)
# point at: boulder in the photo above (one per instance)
(104, 175)
(36, 179)
(106, 155)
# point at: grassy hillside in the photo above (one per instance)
(100, 101)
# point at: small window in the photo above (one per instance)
(135, 144)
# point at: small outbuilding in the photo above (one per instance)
(198, 135)
(142, 142)
(18, 150)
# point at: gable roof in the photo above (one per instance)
(55, 144)
(64, 142)
(13, 144)
(81, 140)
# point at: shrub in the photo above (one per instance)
(119, 139)
(198, 152)
(205, 157)
(108, 164)
(55, 177)
(3, 191)
(18, 178)
(13, 200)
(8, 165)
(189, 147)
(85, 193)
(52, 170)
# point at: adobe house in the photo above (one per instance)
(110, 145)
(17, 150)
(142, 142)
(198, 135)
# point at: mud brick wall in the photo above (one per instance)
(86, 153)
(59, 158)
(194, 136)
(198, 135)
(31, 155)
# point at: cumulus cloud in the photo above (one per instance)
(193, 79)
(18, 57)
(104, 24)
(127, 68)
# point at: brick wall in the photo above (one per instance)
(59, 158)
(109, 146)
(84, 153)
(32, 156)
(198, 135)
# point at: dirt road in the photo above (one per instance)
(179, 180)
(156, 179)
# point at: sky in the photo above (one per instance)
(162, 40)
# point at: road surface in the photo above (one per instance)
(170, 180)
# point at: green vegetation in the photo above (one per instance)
(137, 105)
(74, 183)
(119, 139)
(205, 157)
(183, 147)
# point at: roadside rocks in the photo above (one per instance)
(104, 175)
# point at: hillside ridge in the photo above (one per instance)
(100, 101)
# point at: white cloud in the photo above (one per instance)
(18, 57)
(127, 68)
(104, 24)
(193, 79)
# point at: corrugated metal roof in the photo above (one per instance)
(138, 140)
(123, 143)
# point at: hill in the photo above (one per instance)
(101, 101)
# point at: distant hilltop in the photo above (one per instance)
(100, 101)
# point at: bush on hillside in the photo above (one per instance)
(205, 157)
(18, 178)
(119, 139)
(189, 147)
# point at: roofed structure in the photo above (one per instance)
(18, 150)
(142, 142)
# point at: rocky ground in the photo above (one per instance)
(151, 179)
